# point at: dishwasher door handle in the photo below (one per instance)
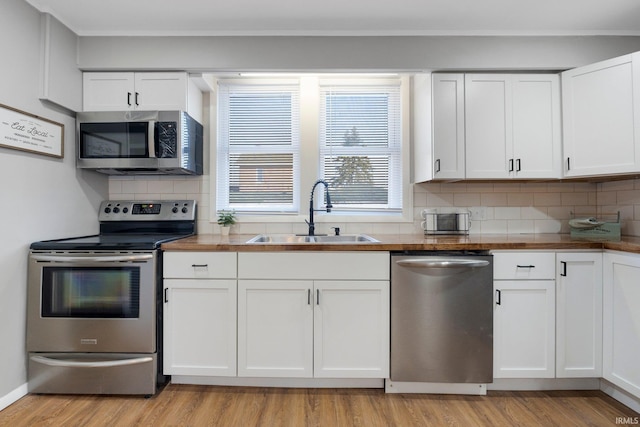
(446, 263)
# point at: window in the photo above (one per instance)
(276, 137)
(360, 146)
(258, 148)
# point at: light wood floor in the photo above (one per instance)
(187, 405)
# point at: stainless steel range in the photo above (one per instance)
(94, 305)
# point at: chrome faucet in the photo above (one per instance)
(310, 223)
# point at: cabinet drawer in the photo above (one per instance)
(363, 265)
(523, 265)
(200, 265)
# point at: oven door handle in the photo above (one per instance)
(82, 260)
(103, 364)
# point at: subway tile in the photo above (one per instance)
(507, 187)
(506, 213)
(530, 212)
(520, 226)
(466, 199)
(628, 197)
(560, 187)
(494, 226)
(547, 199)
(575, 199)
(457, 187)
(439, 200)
(115, 187)
(186, 186)
(559, 212)
(618, 185)
(519, 199)
(480, 187)
(161, 187)
(493, 199)
(547, 226)
(537, 187)
(134, 186)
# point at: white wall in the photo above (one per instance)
(349, 53)
(41, 197)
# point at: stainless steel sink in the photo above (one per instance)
(292, 238)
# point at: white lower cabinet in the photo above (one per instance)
(326, 316)
(524, 315)
(548, 314)
(524, 329)
(199, 320)
(275, 328)
(200, 327)
(351, 329)
(579, 315)
(621, 321)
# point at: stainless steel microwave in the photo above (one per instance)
(139, 143)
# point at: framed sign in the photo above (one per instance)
(27, 132)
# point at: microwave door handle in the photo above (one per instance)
(151, 141)
(80, 260)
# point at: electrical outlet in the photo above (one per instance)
(478, 213)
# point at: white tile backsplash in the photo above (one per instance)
(511, 207)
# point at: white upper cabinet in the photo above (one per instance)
(512, 126)
(537, 135)
(448, 126)
(141, 91)
(601, 115)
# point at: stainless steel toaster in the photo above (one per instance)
(446, 221)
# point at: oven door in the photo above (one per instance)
(92, 302)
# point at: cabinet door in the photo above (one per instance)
(200, 327)
(621, 323)
(524, 329)
(448, 126)
(161, 91)
(579, 315)
(536, 126)
(275, 328)
(488, 123)
(351, 329)
(108, 91)
(601, 113)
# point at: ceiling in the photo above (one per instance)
(345, 17)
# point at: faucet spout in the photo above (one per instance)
(328, 206)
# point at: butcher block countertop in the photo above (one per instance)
(406, 242)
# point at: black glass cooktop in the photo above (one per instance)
(107, 242)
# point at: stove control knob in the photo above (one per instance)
(107, 210)
(116, 210)
(185, 210)
(174, 210)
(125, 210)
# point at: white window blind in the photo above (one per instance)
(258, 148)
(360, 146)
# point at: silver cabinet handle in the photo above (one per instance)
(442, 263)
(104, 364)
(114, 258)
(151, 132)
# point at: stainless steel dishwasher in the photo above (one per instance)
(442, 317)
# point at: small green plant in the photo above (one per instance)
(226, 218)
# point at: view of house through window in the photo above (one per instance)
(357, 149)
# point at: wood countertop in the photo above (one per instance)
(406, 242)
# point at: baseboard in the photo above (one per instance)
(280, 382)
(435, 388)
(13, 396)
(540, 384)
(620, 395)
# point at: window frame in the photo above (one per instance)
(310, 155)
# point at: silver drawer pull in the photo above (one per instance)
(103, 364)
(526, 266)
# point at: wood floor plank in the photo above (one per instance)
(191, 405)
